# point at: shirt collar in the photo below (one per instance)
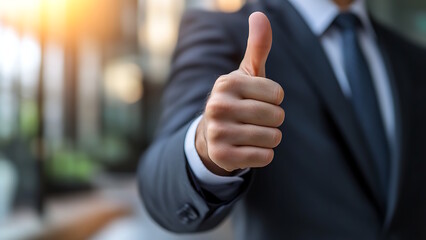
(319, 14)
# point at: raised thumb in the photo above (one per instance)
(258, 45)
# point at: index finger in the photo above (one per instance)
(261, 89)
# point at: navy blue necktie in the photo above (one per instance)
(364, 98)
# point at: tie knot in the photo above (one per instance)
(347, 21)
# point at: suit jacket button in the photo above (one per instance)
(187, 214)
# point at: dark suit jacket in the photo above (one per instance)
(322, 183)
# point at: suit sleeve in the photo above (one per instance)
(167, 186)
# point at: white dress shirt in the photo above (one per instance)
(319, 15)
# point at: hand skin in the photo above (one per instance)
(239, 127)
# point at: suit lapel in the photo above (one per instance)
(306, 49)
(398, 75)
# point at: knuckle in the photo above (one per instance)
(222, 79)
(217, 107)
(226, 83)
(225, 157)
(251, 133)
(218, 154)
(216, 131)
(250, 111)
(223, 83)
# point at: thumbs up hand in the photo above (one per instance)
(239, 128)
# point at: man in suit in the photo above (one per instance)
(352, 159)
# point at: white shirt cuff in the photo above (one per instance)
(200, 171)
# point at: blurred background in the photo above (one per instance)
(80, 83)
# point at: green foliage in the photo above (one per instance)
(71, 165)
(112, 150)
(29, 119)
